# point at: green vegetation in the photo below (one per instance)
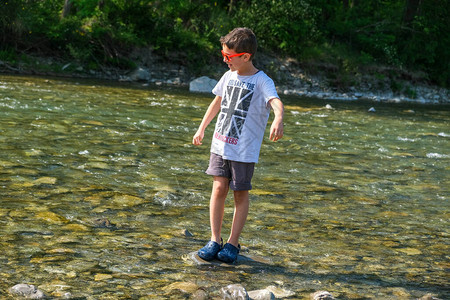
(350, 35)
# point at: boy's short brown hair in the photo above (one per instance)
(241, 40)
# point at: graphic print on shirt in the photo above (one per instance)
(234, 109)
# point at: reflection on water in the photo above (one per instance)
(98, 184)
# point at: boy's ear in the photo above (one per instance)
(247, 56)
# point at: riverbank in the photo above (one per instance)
(324, 81)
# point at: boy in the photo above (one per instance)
(244, 97)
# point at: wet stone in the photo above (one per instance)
(429, 297)
(234, 291)
(127, 200)
(28, 291)
(45, 180)
(51, 217)
(280, 292)
(261, 295)
(186, 233)
(99, 277)
(102, 223)
(410, 251)
(321, 295)
(243, 261)
(199, 295)
(185, 287)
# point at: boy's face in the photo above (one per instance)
(235, 63)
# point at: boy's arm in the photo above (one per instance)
(211, 112)
(276, 130)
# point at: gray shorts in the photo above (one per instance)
(239, 173)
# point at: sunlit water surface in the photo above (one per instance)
(99, 181)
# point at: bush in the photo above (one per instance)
(406, 34)
(283, 27)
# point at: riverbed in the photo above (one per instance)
(103, 196)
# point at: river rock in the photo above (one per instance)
(140, 74)
(186, 233)
(199, 295)
(321, 295)
(244, 261)
(126, 200)
(261, 295)
(202, 84)
(28, 291)
(234, 291)
(185, 287)
(102, 223)
(280, 292)
(429, 297)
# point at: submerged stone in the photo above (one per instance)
(185, 287)
(242, 261)
(76, 227)
(99, 277)
(45, 180)
(280, 292)
(102, 223)
(186, 233)
(127, 200)
(410, 251)
(51, 217)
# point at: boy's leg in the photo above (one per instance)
(241, 206)
(217, 206)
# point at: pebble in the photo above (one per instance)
(429, 297)
(28, 291)
(321, 295)
(280, 292)
(185, 287)
(199, 295)
(261, 295)
(186, 233)
(234, 291)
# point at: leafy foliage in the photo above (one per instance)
(407, 34)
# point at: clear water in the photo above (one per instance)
(349, 201)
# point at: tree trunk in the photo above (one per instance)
(411, 10)
(66, 9)
(230, 6)
(345, 4)
(355, 3)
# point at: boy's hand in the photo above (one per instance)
(211, 112)
(197, 139)
(276, 130)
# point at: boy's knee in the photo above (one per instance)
(221, 185)
(241, 196)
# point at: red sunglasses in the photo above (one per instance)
(229, 57)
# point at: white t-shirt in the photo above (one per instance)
(243, 116)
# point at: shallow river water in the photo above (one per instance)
(102, 196)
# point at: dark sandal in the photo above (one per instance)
(229, 253)
(209, 252)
